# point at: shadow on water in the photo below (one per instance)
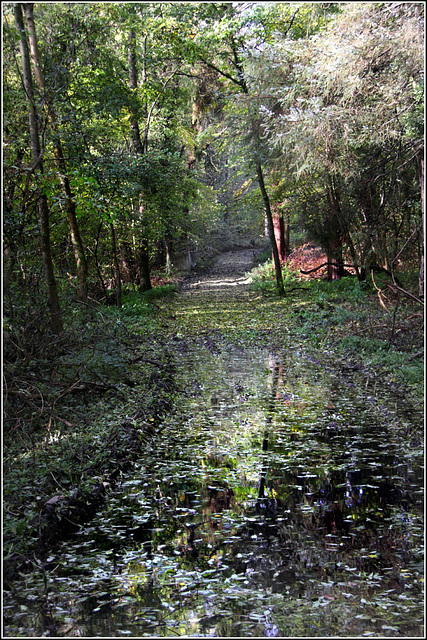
(278, 500)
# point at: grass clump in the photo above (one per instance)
(159, 292)
(345, 318)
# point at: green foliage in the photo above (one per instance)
(138, 305)
(346, 289)
(333, 159)
(317, 85)
(159, 292)
(262, 277)
(338, 315)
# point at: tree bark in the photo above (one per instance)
(145, 281)
(140, 148)
(70, 206)
(168, 255)
(421, 276)
(133, 84)
(276, 258)
(98, 269)
(287, 233)
(9, 248)
(116, 266)
(76, 239)
(53, 299)
(335, 264)
(282, 244)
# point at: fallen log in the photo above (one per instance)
(327, 264)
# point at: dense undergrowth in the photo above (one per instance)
(80, 407)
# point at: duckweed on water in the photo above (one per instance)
(275, 501)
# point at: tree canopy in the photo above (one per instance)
(157, 122)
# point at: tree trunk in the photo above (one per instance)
(9, 257)
(360, 273)
(116, 266)
(133, 84)
(168, 258)
(276, 258)
(279, 234)
(224, 192)
(98, 269)
(53, 300)
(421, 276)
(282, 244)
(335, 264)
(332, 273)
(9, 247)
(70, 206)
(76, 239)
(145, 282)
(287, 233)
(139, 148)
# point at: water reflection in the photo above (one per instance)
(277, 501)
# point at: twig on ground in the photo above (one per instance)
(417, 355)
(144, 359)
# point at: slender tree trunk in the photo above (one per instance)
(9, 255)
(70, 206)
(227, 202)
(352, 250)
(10, 250)
(276, 258)
(76, 239)
(168, 256)
(53, 300)
(133, 84)
(282, 243)
(116, 266)
(140, 148)
(98, 269)
(75, 236)
(287, 233)
(421, 276)
(143, 79)
(145, 281)
(267, 207)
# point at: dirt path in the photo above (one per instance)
(227, 276)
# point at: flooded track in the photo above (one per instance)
(279, 499)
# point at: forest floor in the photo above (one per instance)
(87, 439)
(342, 320)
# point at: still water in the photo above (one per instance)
(278, 500)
